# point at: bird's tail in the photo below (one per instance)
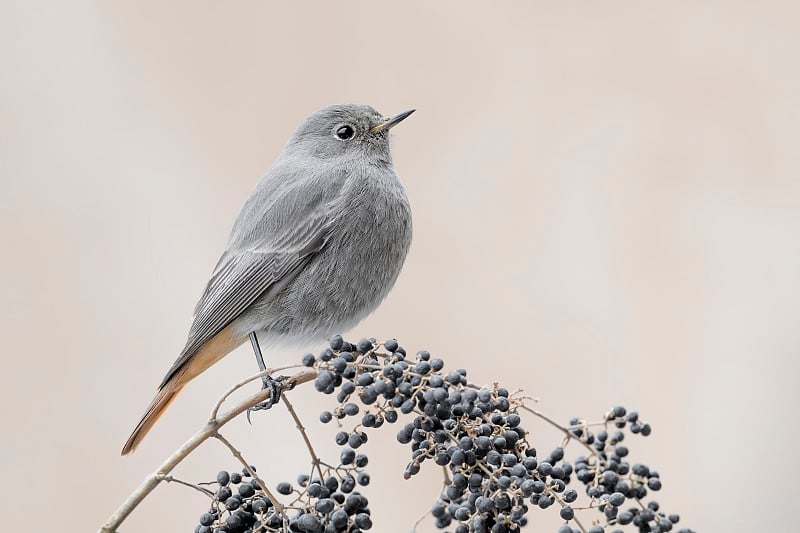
(188, 366)
(162, 400)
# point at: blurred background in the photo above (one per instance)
(606, 211)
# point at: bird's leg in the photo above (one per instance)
(257, 351)
(275, 386)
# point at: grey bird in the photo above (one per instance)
(317, 246)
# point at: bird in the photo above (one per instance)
(317, 246)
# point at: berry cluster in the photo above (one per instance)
(494, 475)
(609, 479)
(328, 505)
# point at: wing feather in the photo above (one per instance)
(243, 274)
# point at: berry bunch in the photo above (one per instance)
(237, 504)
(494, 475)
(610, 481)
(328, 505)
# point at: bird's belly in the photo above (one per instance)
(335, 290)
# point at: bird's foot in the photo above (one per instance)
(276, 387)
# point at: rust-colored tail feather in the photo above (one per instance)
(188, 366)
(162, 400)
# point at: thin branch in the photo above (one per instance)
(171, 479)
(418, 522)
(562, 428)
(447, 479)
(209, 430)
(236, 453)
(315, 461)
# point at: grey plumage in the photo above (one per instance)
(317, 246)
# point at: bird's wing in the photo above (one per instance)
(244, 274)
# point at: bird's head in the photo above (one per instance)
(345, 130)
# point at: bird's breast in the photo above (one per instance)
(353, 272)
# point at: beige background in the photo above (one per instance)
(606, 202)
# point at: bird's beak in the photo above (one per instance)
(390, 122)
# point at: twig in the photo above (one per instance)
(562, 428)
(171, 479)
(209, 430)
(315, 461)
(447, 479)
(236, 453)
(418, 522)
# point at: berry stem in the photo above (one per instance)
(566, 432)
(315, 461)
(236, 453)
(171, 479)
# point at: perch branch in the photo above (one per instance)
(209, 430)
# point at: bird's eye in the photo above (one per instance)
(345, 132)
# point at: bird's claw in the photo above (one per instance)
(276, 387)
